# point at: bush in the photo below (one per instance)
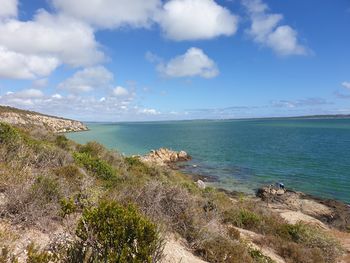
(36, 256)
(98, 167)
(93, 149)
(45, 190)
(220, 249)
(243, 218)
(113, 233)
(137, 167)
(8, 134)
(62, 142)
(67, 207)
(312, 237)
(72, 177)
(259, 257)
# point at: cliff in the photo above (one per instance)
(25, 118)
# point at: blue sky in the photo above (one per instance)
(131, 60)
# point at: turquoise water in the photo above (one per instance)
(312, 156)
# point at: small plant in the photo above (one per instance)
(6, 257)
(259, 257)
(313, 238)
(8, 134)
(67, 207)
(62, 142)
(98, 167)
(243, 218)
(93, 149)
(37, 256)
(221, 249)
(113, 233)
(45, 190)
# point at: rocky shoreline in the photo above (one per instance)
(332, 213)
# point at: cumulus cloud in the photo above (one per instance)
(19, 66)
(87, 80)
(196, 19)
(266, 30)
(346, 85)
(193, 63)
(111, 13)
(120, 92)
(35, 48)
(8, 8)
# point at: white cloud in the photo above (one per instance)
(78, 107)
(15, 65)
(35, 48)
(87, 80)
(193, 63)
(196, 19)
(120, 92)
(265, 30)
(111, 13)
(57, 96)
(346, 85)
(149, 111)
(70, 41)
(40, 83)
(29, 93)
(8, 8)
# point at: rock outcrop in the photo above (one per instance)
(32, 119)
(165, 156)
(329, 212)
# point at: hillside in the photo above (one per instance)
(65, 202)
(32, 119)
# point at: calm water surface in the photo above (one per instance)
(312, 156)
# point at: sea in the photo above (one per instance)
(308, 155)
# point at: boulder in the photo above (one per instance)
(164, 156)
(201, 184)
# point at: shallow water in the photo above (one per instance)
(312, 156)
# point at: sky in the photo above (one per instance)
(137, 60)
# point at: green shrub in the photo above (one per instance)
(311, 237)
(98, 167)
(113, 233)
(259, 257)
(45, 190)
(137, 167)
(67, 206)
(8, 134)
(72, 177)
(62, 142)
(221, 249)
(243, 218)
(36, 256)
(93, 149)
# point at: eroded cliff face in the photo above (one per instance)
(32, 119)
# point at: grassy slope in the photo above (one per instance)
(47, 181)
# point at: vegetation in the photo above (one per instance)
(117, 209)
(113, 233)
